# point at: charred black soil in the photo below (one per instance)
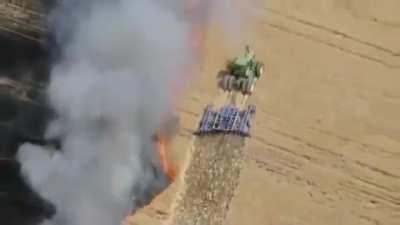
(23, 115)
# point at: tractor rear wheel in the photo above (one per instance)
(240, 83)
(250, 86)
(243, 87)
(232, 82)
(225, 82)
(259, 69)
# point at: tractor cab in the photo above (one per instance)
(245, 65)
(246, 58)
(242, 73)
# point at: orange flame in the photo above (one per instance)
(167, 168)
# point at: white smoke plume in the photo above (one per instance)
(118, 65)
(111, 86)
(226, 15)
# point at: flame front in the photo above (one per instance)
(167, 168)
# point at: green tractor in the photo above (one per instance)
(242, 73)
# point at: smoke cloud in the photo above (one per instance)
(111, 87)
(117, 66)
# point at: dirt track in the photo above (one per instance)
(326, 140)
(210, 180)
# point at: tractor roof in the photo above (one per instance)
(245, 57)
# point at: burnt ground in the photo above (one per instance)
(19, 57)
(19, 205)
(20, 119)
(23, 111)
